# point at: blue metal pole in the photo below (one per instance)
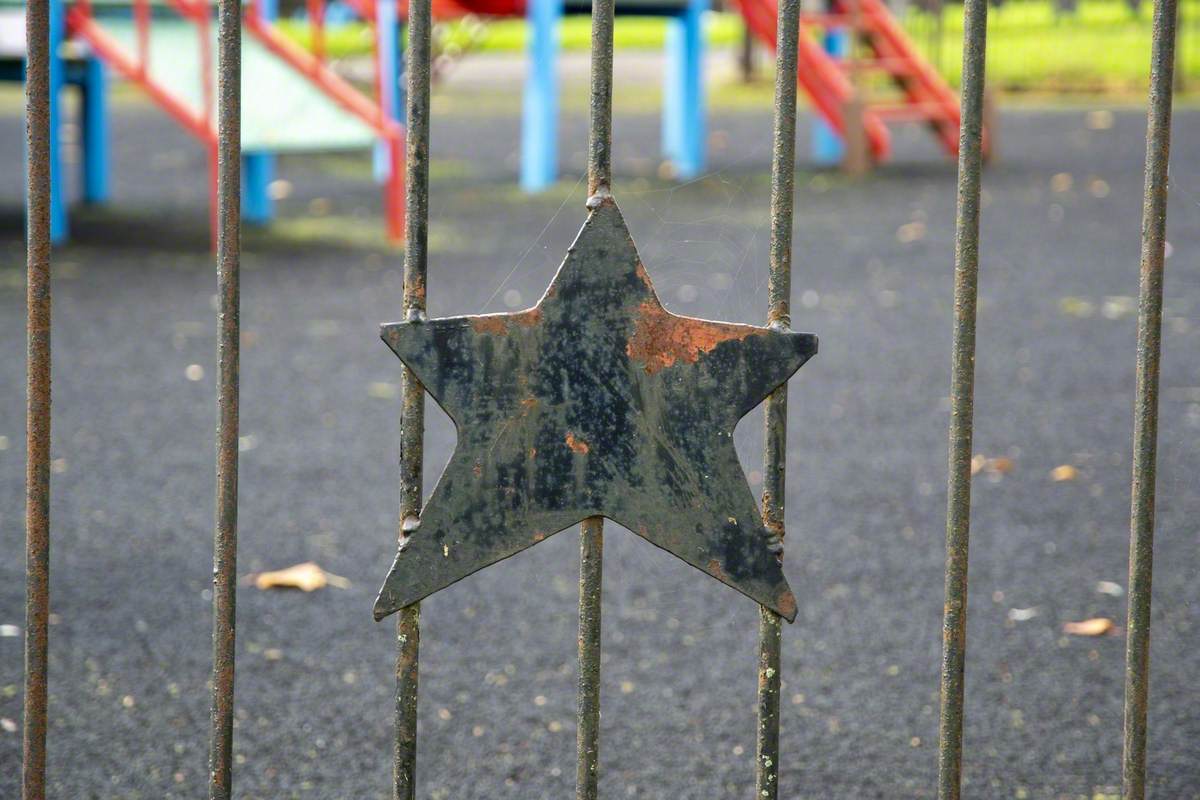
(96, 165)
(258, 169)
(391, 68)
(539, 110)
(828, 149)
(684, 115)
(58, 184)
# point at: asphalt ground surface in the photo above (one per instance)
(133, 479)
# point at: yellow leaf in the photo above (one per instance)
(1097, 626)
(1076, 306)
(1065, 472)
(978, 461)
(307, 577)
(382, 390)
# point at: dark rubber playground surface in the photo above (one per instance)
(132, 503)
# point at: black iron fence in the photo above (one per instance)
(768, 755)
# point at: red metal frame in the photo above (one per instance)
(927, 98)
(372, 112)
(135, 67)
(822, 79)
(316, 20)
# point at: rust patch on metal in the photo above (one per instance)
(643, 275)
(528, 318)
(501, 324)
(661, 339)
(714, 569)
(495, 324)
(787, 605)
(577, 445)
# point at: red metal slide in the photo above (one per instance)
(828, 82)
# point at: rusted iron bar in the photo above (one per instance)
(962, 400)
(591, 532)
(591, 567)
(779, 290)
(1145, 415)
(600, 128)
(412, 413)
(229, 162)
(770, 648)
(37, 442)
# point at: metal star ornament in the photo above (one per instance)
(595, 402)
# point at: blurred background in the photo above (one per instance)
(134, 398)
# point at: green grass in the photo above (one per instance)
(1101, 48)
(508, 35)
(629, 33)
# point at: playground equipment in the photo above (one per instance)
(849, 128)
(294, 102)
(89, 76)
(684, 123)
(831, 75)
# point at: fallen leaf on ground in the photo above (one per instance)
(1119, 307)
(1076, 307)
(1099, 120)
(911, 232)
(1022, 614)
(1110, 588)
(1097, 626)
(1062, 182)
(1000, 465)
(1065, 472)
(382, 390)
(307, 577)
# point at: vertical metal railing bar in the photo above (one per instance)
(600, 126)
(962, 400)
(1145, 416)
(229, 161)
(779, 290)
(37, 443)
(412, 414)
(591, 532)
(587, 739)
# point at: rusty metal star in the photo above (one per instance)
(595, 402)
